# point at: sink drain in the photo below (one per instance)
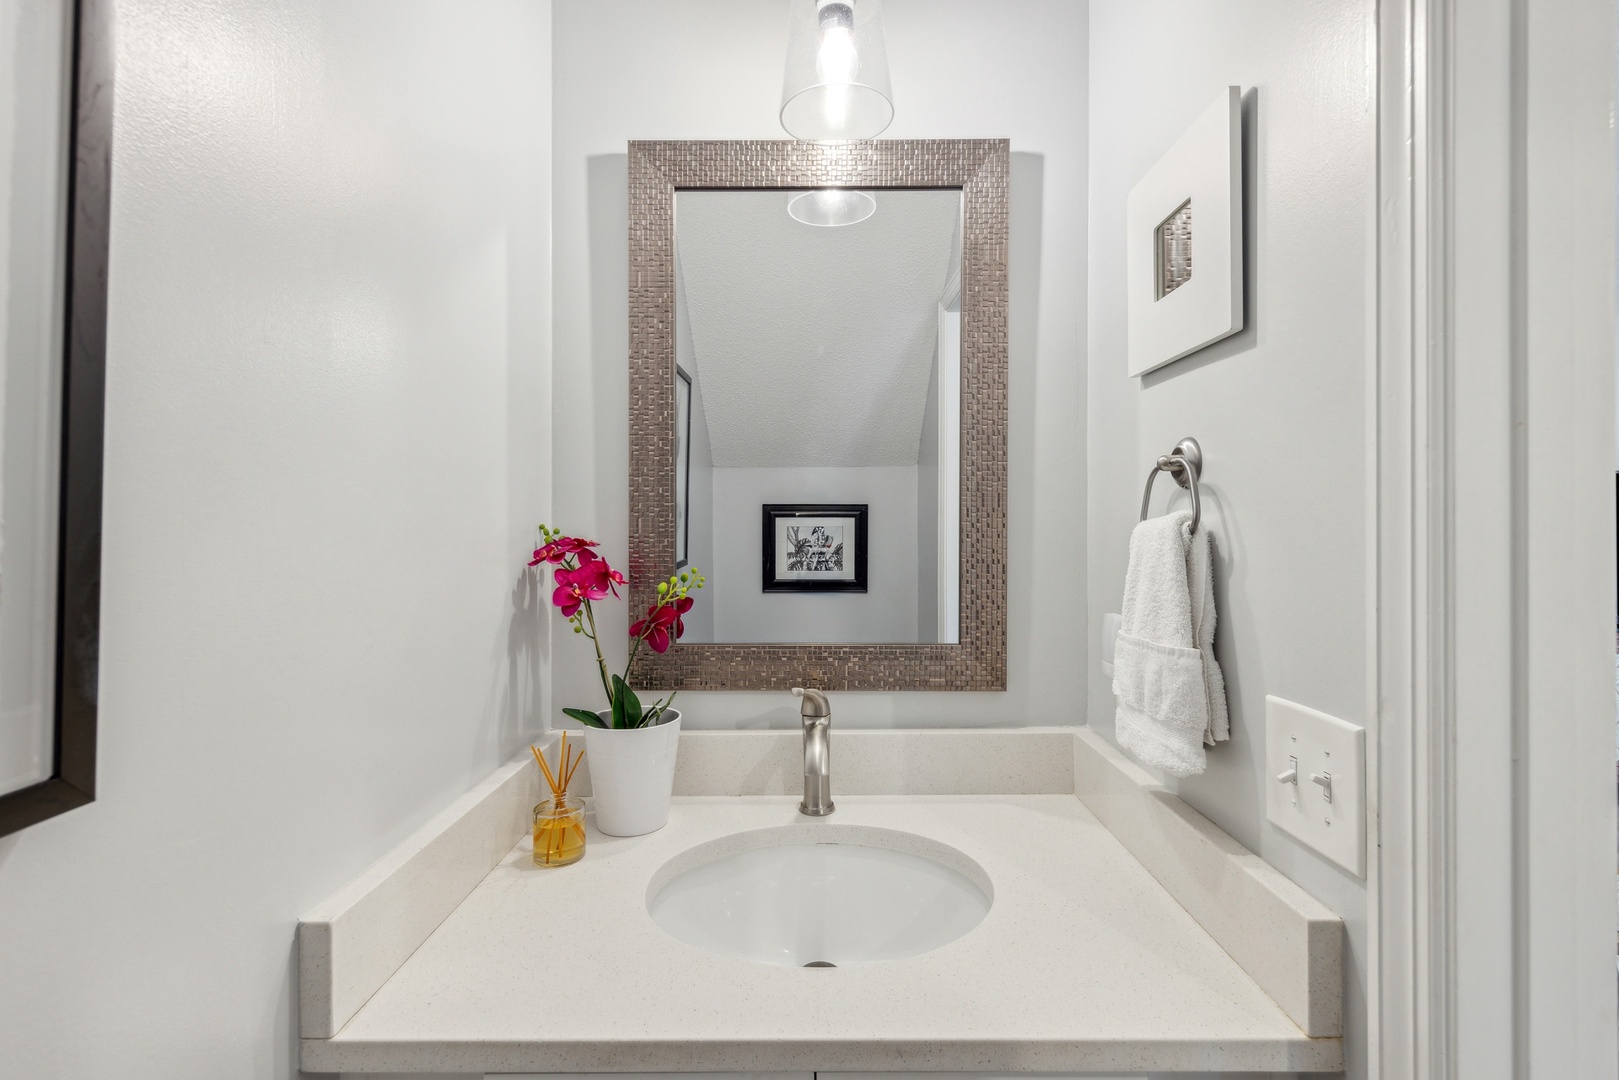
(820, 963)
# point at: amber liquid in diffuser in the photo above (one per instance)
(559, 832)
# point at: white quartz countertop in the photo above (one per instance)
(1084, 962)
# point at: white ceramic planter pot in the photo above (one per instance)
(632, 774)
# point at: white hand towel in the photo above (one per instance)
(1170, 690)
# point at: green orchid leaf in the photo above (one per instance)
(586, 717)
(627, 711)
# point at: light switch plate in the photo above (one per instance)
(1324, 747)
(1110, 638)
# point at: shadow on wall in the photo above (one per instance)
(1230, 771)
(525, 640)
(511, 710)
(593, 473)
(608, 213)
(1248, 337)
(287, 1018)
(1024, 226)
(782, 717)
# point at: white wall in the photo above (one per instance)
(648, 69)
(743, 611)
(700, 536)
(1280, 408)
(700, 512)
(927, 512)
(327, 446)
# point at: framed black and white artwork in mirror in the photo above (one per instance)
(814, 547)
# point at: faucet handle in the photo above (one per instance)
(815, 703)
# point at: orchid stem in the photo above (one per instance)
(601, 661)
(634, 651)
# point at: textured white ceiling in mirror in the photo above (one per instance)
(814, 346)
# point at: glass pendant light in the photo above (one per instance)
(836, 85)
(836, 88)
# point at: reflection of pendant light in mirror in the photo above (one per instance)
(836, 85)
(831, 206)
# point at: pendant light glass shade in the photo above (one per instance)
(831, 206)
(836, 86)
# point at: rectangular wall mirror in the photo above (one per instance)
(817, 355)
(818, 410)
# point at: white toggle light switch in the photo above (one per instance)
(1328, 812)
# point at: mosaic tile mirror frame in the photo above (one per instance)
(980, 170)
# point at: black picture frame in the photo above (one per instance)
(859, 518)
(682, 470)
(84, 363)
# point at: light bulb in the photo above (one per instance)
(836, 60)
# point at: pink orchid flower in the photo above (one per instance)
(592, 579)
(561, 548)
(660, 620)
(582, 577)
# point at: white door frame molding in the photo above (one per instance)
(1408, 546)
(1492, 922)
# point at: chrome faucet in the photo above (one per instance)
(817, 717)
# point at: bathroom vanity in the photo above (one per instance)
(1011, 900)
(1123, 931)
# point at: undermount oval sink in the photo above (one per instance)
(820, 895)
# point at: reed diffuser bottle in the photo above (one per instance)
(559, 822)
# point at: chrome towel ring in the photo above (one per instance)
(1185, 464)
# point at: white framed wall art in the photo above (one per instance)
(1183, 259)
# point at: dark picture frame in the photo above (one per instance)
(683, 401)
(83, 361)
(781, 576)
